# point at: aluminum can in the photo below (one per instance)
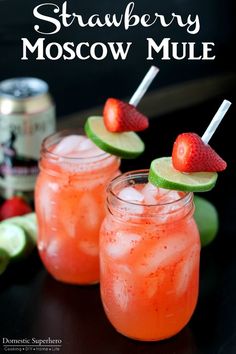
(27, 116)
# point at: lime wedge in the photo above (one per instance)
(13, 240)
(127, 145)
(4, 260)
(207, 220)
(164, 175)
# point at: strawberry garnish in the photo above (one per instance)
(15, 206)
(191, 154)
(120, 116)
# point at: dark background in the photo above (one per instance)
(80, 84)
(31, 302)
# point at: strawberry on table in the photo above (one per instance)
(15, 206)
(191, 154)
(120, 116)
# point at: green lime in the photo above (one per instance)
(27, 224)
(164, 175)
(127, 145)
(32, 217)
(4, 260)
(207, 220)
(13, 240)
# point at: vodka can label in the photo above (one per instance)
(27, 116)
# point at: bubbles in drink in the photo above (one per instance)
(122, 244)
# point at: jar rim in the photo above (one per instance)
(130, 176)
(55, 138)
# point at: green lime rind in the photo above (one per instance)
(4, 260)
(14, 241)
(127, 145)
(164, 175)
(207, 219)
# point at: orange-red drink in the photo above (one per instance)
(70, 205)
(149, 258)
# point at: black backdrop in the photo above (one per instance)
(82, 84)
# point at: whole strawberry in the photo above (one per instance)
(120, 117)
(15, 206)
(191, 154)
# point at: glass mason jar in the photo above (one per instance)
(70, 207)
(149, 259)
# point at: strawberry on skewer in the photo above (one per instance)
(191, 154)
(120, 116)
(114, 132)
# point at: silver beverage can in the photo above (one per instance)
(27, 116)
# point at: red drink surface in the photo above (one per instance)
(70, 206)
(149, 264)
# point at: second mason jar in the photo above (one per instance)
(149, 258)
(70, 205)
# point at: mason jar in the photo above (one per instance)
(70, 206)
(149, 258)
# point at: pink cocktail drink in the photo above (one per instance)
(149, 256)
(70, 205)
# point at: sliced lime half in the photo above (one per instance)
(127, 145)
(164, 175)
(27, 224)
(4, 260)
(13, 240)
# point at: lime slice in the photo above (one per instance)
(164, 175)
(27, 224)
(207, 220)
(127, 145)
(13, 240)
(4, 260)
(32, 217)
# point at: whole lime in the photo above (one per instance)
(206, 217)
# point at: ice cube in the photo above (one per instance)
(165, 253)
(123, 243)
(89, 248)
(87, 144)
(153, 283)
(167, 196)
(53, 248)
(42, 245)
(46, 203)
(131, 195)
(89, 212)
(185, 270)
(121, 294)
(68, 145)
(150, 193)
